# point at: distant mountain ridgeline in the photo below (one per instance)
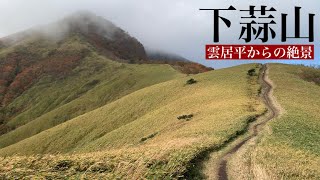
(176, 61)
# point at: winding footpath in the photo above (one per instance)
(255, 129)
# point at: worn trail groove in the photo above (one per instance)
(273, 112)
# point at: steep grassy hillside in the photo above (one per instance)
(51, 54)
(95, 82)
(292, 149)
(140, 135)
(65, 61)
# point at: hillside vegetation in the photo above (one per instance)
(292, 149)
(51, 74)
(140, 135)
(55, 98)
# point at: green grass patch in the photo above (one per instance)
(295, 135)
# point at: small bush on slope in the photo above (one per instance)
(191, 81)
(185, 117)
(252, 72)
(148, 137)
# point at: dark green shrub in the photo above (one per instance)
(252, 119)
(252, 72)
(191, 81)
(185, 117)
(148, 137)
(63, 165)
(260, 90)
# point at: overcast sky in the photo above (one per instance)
(172, 25)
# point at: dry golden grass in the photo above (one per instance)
(221, 102)
(292, 149)
(51, 102)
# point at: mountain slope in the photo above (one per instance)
(81, 84)
(294, 137)
(80, 99)
(143, 126)
(54, 51)
(58, 48)
(105, 36)
(95, 82)
(65, 57)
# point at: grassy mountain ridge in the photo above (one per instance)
(86, 90)
(81, 100)
(97, 124)
(139, 134)
(63, 58)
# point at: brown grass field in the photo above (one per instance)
(139, 135)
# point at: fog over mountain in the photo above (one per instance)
(177, 26)
(57, 30)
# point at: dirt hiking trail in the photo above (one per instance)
(217, 163)
(273, 112)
